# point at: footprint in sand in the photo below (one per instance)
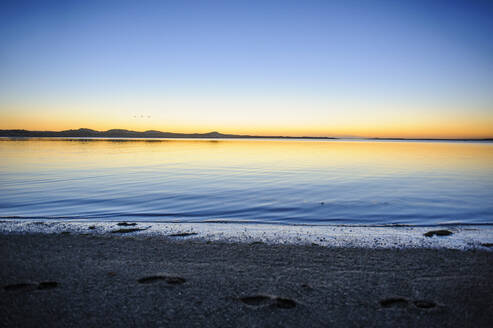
(307, 287)
(402, 302)
(284, 303)
(172, 280)
(25, 286)
(20, 287)
(256, 300)
(424, 304)
(394, 302)
(47, 285)
(267, 300)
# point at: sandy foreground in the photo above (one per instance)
(74, 280)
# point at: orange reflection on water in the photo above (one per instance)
(369, 156)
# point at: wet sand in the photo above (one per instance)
(61, 280)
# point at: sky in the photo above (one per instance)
(420, 68)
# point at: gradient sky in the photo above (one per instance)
(317, 68)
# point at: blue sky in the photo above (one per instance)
(416, 68)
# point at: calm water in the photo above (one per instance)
(277, 181)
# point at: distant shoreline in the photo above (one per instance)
(120, 133)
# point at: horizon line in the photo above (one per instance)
(119, 133)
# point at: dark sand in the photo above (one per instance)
(98, 281)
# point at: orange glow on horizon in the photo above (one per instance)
(459, 127)
(484, 131)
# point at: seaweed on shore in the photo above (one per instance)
(126, 224)
(438, 233)
(182, 234)
(127, 230)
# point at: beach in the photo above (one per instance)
(89, 280)
(246, 164)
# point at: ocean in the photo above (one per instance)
(277, 181)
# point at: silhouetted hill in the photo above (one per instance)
(121, 133)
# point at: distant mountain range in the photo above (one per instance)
(120, 133)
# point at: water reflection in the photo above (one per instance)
(291, 181)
